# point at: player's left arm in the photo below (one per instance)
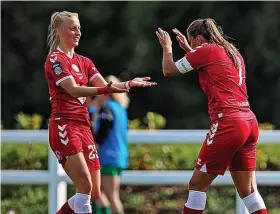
(171, 68)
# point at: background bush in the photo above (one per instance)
(31, 199)
(142, 156)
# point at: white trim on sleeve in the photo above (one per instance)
(62, 79)
(183, 65)
(93, 76)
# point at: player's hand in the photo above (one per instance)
(164, 38)
(183, 42)
(141, 82)
(113, 89)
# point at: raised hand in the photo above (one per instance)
(140, 82)
(183, 42)
(164, 38)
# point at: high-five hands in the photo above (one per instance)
(165, 40)
(183, 42)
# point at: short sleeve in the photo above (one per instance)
(195, 59)
(92, 70)
(58, 68)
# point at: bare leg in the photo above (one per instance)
(96, 182)
(111, 187)
(76, 168)
(246, 185)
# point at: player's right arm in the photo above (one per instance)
(60, 72)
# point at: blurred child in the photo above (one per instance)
(110, 127)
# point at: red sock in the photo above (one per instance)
(262, 211)
(191, 211)
(65, 209)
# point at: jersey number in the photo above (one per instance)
(92, 154)
(240, 76)
(239, 72)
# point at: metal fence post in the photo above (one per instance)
(61, 187)
(240, 207)
(53, 181)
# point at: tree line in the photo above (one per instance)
(120, 38)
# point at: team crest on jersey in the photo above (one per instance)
(57, 68)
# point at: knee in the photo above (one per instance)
(84, 185)
(113, 196)
(244, 192)
(197, 186)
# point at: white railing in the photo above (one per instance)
(57, 180)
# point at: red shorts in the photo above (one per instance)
(71, 137)
(229, 144)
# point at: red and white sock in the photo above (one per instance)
(255, 203)
(82, 204)
(196, 203)
(263, 211)
(68, 207)
(71, 202)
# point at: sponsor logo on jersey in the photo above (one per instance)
(75, 67)
(57, 68)
(243, 104)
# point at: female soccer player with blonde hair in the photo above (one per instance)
(71, 78)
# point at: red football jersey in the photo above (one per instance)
(59, 67)
(221, 81)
